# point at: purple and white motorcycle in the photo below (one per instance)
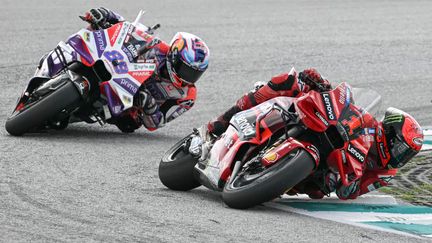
(93, 77)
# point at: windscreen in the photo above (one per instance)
(369, 100)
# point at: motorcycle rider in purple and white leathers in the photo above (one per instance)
(171, 90)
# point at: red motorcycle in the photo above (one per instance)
(270, 148)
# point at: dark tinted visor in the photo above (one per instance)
(187, 73)
(400, 152)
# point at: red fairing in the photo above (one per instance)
(224, 152)
(140, 76)
(113, 32)
(351, 159)
(274, 154)
(312, 118)
(375, 179)
(320, 110)
(226, 148)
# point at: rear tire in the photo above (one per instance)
(249, 189)
(176, 169)
(42, 110)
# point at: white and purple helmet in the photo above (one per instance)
(188, 58)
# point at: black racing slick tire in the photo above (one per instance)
(176, 169)
(39, 112)
(250, 188)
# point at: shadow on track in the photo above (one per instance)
(97, 134)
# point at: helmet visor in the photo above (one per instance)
(400, 152)
(187, 73)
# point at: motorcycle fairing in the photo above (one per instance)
(106, 45)
(275, 153)
(49, 65)
(324, 112)
(242, 136)
(320, 110)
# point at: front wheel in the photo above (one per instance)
(176, 169)
(35, 114)
(257, 184)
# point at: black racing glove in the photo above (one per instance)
(99, 17)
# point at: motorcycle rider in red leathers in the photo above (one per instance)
(171, 90)
(396, 139)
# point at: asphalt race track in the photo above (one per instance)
(89, 183)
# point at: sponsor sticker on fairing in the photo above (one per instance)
(144, 67)
(344, 95)
(129, 55)
(356, 153)
(321, 118)
(245, 127)
(271, 157)
(328, 106)
(344, 159)
(123, 34)
(100, 41)
(113, 32)
(127, 84)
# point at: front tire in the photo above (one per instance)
(252, 187)
(176, 169)
(36, 114)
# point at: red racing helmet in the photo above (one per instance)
(403, 135)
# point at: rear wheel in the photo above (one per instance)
(35, 114)
(176, 169)
(256, 184)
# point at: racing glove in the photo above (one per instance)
(102, 17)
(314, 80)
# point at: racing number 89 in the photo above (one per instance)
(121, 67)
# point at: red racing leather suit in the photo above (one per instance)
(374, 175)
